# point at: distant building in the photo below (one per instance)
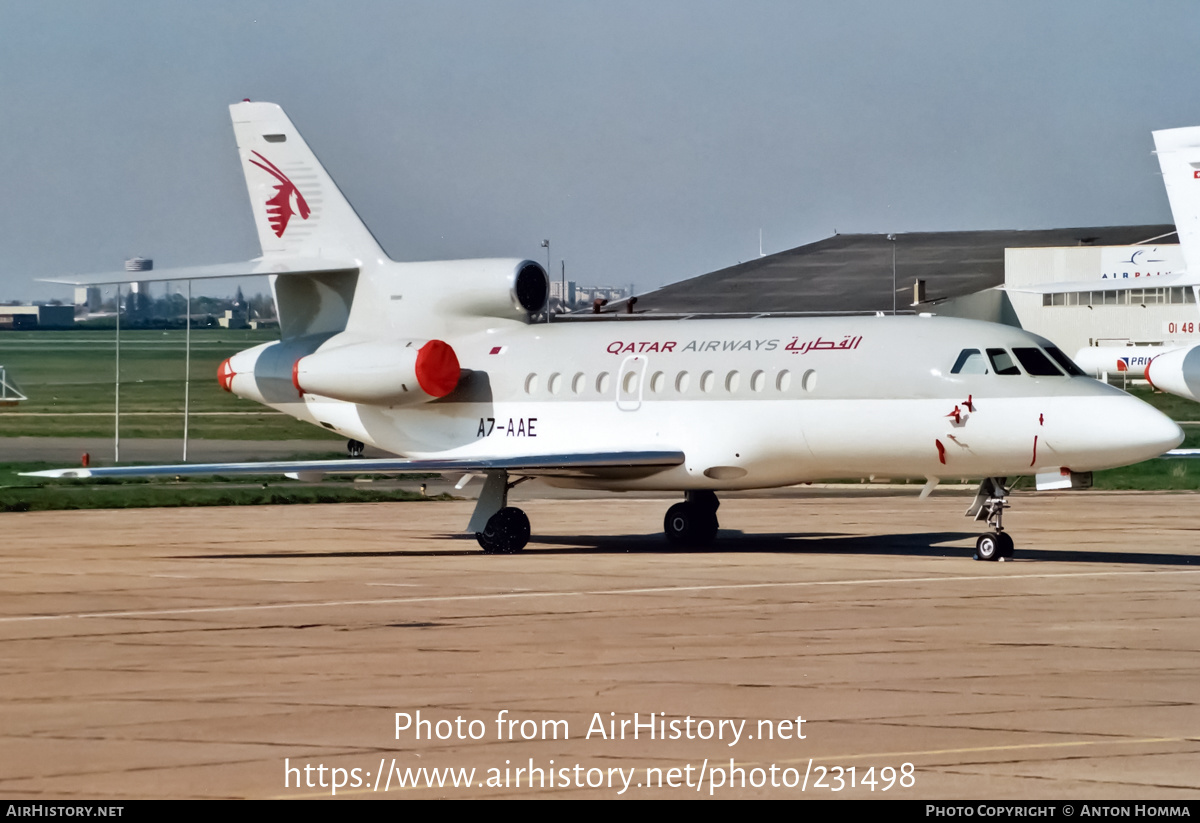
(556, 291)
(87, 299)
(37, 317)
(587, 294)
(234, 319)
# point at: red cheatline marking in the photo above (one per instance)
(1034, 460)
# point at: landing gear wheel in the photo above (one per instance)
(988, 546)
(355, 448)
(689, 525)
(1006, 545)
(506, 532)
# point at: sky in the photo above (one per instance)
(649, 141)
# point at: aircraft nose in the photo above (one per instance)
(1149, 432)
(1105, 433)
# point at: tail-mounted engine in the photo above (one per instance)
(512, 289)
(387, 373)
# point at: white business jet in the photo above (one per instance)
(444, 364)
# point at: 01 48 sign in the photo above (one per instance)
(1181, 327)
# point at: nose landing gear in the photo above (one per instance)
(989, 507)
(692, 523)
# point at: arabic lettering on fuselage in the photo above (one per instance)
(847, 343)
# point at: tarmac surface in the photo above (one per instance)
(218, 652)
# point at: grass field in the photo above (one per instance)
(69, 379)
(22, 494)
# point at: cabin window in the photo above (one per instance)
(531, 384)
(1036, 363)
(1067, 363)
(1002, 362)
(809, 380)
(731, 382)
(554, 384)
(970, 361)
(682, 382)
(784, 381)
(706, 382)
(758, 380)
(658, 382)
(602, 382)
(630, 384)
(578, 382)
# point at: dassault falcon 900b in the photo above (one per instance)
(442, 363)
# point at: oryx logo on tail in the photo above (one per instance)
(279, 207)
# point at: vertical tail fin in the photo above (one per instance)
(1179, 158)
(298, 209)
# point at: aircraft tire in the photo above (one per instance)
(1006, 545)
(688, 525)
(988, 546)
(507, 532)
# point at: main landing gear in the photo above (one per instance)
(692, 523)
(499, 527)
(989, 506)
(354, 448)
(506, 532)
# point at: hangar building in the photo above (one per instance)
(963, 274)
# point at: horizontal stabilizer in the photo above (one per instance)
(251, 268)
(547, 465)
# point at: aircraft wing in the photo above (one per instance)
(250, 268)
(1183, 453)
(591, 464)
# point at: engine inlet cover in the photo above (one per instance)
(531, 287)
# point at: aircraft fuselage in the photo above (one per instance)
(752, 403)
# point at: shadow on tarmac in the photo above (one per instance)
(922, 544)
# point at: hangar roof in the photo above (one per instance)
(853, 272)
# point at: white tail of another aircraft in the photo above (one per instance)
(1179, 158)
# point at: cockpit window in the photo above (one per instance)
(1002, 362)
(1036, 362)
(970, 361)
(1067, 363)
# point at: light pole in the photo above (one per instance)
(546, 246)
(892, 237)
